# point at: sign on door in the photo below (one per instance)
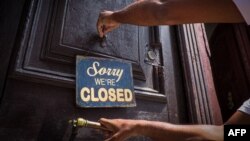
(103, 83)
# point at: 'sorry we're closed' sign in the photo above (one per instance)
(103, 83)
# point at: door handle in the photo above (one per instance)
(80, 122)
(75, 124)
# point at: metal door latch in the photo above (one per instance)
(80, 122)
(75, 124)
(151, 56)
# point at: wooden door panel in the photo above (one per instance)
(56, 31)
(74, 30)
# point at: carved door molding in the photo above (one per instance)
(201, 95)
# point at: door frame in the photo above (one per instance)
(11, 15)
(200, 91)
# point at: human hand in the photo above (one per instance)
(119, 129)
(106, 23)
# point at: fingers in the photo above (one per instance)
(119, 136)
(106, 23)
(100, 26)
(104, 121)
(110, 135)
(115, 137)
(118, 133)
(107, 134)
(107, 123)
(102, 23)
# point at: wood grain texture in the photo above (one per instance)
(201, 95)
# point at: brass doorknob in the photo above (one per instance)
(80, 122)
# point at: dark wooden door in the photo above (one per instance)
(230, 50)
(39, 94)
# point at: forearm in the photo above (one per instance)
(140, 13)
(167, 131)
(171, 12)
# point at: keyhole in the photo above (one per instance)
(103, 42)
